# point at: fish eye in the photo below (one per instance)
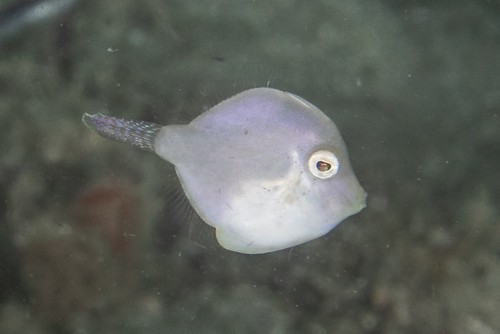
(323, 164)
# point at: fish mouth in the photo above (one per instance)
(350, 197)
(358, 199)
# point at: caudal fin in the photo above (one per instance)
(137, 133)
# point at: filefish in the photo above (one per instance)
(267, 169)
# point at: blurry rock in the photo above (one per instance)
(66, 274)
(15, 318)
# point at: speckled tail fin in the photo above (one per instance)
(137, 133)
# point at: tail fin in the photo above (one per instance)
(137, 133)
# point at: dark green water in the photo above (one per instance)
(95, 236)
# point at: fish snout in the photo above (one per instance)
(349, 197)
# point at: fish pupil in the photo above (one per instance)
(323, 166)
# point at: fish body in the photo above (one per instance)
(267, 169)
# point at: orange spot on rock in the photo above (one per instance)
(111, 209)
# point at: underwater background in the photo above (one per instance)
(96, 237)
